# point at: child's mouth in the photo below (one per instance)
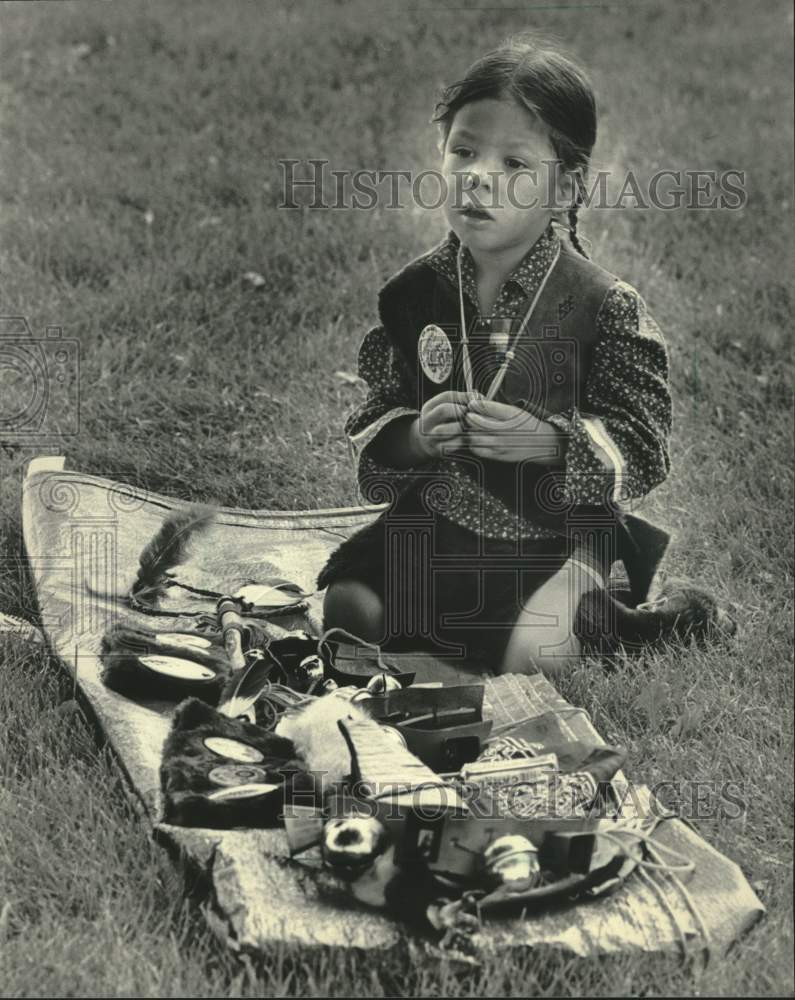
(471, 212)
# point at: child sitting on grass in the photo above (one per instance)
(518, 392)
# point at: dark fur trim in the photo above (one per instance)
(122, 672)
(682, 610)
(187, 763)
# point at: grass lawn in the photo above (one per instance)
(140, 183)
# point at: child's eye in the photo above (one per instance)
(515, 164)
(463, 151)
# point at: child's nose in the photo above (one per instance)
(480, 177)
(485, 172)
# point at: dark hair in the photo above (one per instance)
(550, 85)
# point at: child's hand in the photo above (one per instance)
(440, 429)
(508, 433)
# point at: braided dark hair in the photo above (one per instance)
(551, 86)
(575, 239)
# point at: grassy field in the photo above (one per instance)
(140, 183)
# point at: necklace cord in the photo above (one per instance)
(510, 353)
(464, 338)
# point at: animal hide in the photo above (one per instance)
(313, 729)
(189, 768)
(123, 645)
(606, 621)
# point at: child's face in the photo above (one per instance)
(502, 176)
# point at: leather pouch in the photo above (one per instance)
(442, 726)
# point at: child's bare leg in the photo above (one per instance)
(542, 638)
(352, 605)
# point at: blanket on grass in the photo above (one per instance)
(83, 535)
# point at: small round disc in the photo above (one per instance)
(382, 684)
(230, 775)
(242, 792)
(233, 749)
(183, 641)
(175, 666)
(263, 595)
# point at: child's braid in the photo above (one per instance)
(573, 232)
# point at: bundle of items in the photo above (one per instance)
(507, 833)
(397, 793)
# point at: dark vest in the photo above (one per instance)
(547, 375)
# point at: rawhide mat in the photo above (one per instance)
(84, 535)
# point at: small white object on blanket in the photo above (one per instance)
(316, 735)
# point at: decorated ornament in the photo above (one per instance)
(499, 339)
(352, 841)
(243, 792)
(510, 748)
(276, 593)
(381, 683)
(234, 749)
(435, 353)
(231, 775)
(512, 858)
(175, 666)
(310, 671)
(180, 640)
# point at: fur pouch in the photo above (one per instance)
(314, 730)
(141, 664)
(220, 773)
(606, 622)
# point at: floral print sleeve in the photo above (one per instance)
(390, 394)
(618, 438)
